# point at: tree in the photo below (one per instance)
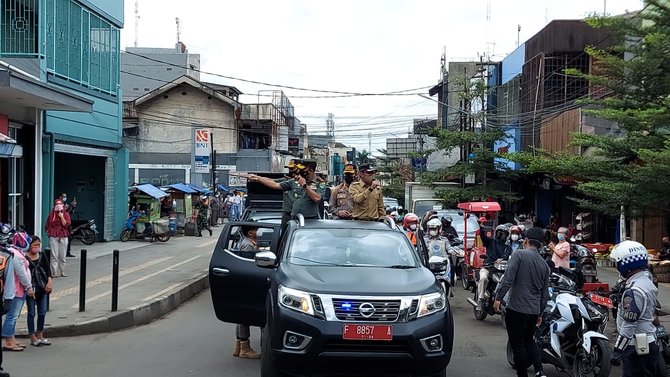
(475, 139)
(394, 172)
(363, 157)
(631, 170)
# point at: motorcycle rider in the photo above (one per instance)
(447, 229)
(636, 346)
(529, 274)
(411, 225)
(515, 241)
(437, 245)
(497, 250)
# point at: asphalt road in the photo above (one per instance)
(192, 342)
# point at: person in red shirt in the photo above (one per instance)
(57, 228)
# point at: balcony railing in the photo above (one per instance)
(19, 28)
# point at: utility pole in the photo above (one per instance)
(518, 34)
(178, 29)
(370, 143)
(137, 21)
(211, 143)
(330, 125)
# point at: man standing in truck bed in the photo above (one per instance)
(367, 195)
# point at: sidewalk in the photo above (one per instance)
(154, 278)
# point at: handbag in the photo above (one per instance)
(40, 278)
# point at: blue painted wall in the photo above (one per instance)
(513, 63)
(112, 10)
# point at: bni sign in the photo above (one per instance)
(202, 150)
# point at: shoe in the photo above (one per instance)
(210, 232)
(3, 373)
(480, 304)
(36, 343)
(236, 352)
(70, 255)
(246, 352)
(45, 342)
(63, 275)
(540, 374)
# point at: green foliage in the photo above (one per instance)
(394, 172)
(632, 167)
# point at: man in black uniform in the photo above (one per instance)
(447, 229)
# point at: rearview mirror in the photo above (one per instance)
(265, 259)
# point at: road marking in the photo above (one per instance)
(208, 243)
(145, 277)
(173, 286)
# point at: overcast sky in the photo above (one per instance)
(361, 46)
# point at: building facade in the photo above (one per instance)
(72, 48)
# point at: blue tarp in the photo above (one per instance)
(150, 190)
(185, 188)
(197, 189)
(223, 188)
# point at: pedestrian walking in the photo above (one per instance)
(367, 195)
(341, 203)
(203, 223)
(42, 285)
(17, 288)
(636, 346)
(70, 208)
(57, 225)
(528, 275)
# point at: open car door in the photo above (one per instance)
(239, 287)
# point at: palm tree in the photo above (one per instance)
(363, 157)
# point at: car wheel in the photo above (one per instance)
(268, 369)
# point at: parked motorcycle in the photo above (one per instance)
(495, 276)
(85, 231)
(570, 335)
(150, 231)
(584, 264)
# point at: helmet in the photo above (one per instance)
(433, 223)
(629, 255)
(514, 229)
(410, 218)
(521, 218)
(501, 232)
(5, 234)
(482, 219)
(446, 220)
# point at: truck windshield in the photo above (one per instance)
(351, 248)
(423, 206)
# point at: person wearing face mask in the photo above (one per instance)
(57, 225)
(561, 251)
(515, 241)
(411, 225)
(665, 250)
(497, 249)
(341, 203)
(436, 244)
(367, 195)
(43, 285)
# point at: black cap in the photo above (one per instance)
(368, 168)
(536, 234)
(303, 164)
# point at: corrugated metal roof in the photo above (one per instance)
(150, 190)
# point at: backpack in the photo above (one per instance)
(5, 260)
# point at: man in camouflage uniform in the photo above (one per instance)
(341, 203)
(201, 206)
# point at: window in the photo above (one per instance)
(146, 89)
(81, 46)
(18, 27)
(169, 69)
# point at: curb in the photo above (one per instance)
(135, 316)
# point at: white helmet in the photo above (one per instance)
(629, 255)
(433, 223)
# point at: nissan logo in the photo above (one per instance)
(367, 309)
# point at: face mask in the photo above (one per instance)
(35, 249)
(64, 199)
(515, 237)
(412, 226)
(303, 173)
(348, 178)
(58, 207)
(561, 236)
(433, 233)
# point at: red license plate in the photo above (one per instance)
(600, 300)
(367, 332)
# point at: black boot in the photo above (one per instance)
(210, 231)
(69, 255)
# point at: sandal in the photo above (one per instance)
(12, 349)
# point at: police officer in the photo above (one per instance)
(497, 249)
(367, 195)
(306, 189)
(341, 203)
(636, 344)
(437, 245)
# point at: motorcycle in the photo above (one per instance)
(85, 231)
(497, 270)
(439, 248)
(130, 231)
(570, 334)
(584, 265)
(456, 257)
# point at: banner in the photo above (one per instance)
(202, 150)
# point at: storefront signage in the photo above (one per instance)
(202, 150)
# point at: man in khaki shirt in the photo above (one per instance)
(367, 195)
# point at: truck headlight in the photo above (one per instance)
(432, 303)
(296, 300)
